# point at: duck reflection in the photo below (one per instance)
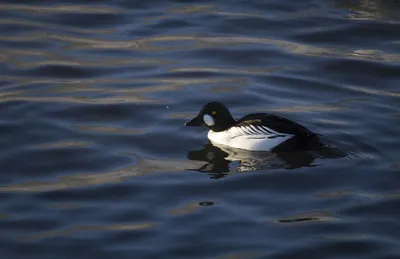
(222, 161)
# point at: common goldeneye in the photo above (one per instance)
(253, 132)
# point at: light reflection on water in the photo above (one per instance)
(96, 161)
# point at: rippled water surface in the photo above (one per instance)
(96, 162)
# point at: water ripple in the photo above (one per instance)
(96, 161)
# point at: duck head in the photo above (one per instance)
(215, 116)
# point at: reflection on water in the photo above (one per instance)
(190, 208)
(145, 166)
(310, 216)
(371, 9)
(222, 161)
(77, 230)
(60, 8)
(96, 163)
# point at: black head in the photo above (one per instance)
(215, 116)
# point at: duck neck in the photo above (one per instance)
(225, 125)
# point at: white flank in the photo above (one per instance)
(253, 138)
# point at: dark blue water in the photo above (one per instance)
(96, 162)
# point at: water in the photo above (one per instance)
(96, 162)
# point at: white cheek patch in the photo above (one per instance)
(208, 120)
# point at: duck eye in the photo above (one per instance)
(213, 112)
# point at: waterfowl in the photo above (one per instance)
(253, 132)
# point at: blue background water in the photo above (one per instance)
(96, 162)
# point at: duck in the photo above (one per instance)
(253, 132)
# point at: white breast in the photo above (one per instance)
(254, 138)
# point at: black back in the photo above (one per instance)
(276, 123)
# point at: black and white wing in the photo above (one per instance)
(255, 131)
(272, 125)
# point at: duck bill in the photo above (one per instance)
(196, 121)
